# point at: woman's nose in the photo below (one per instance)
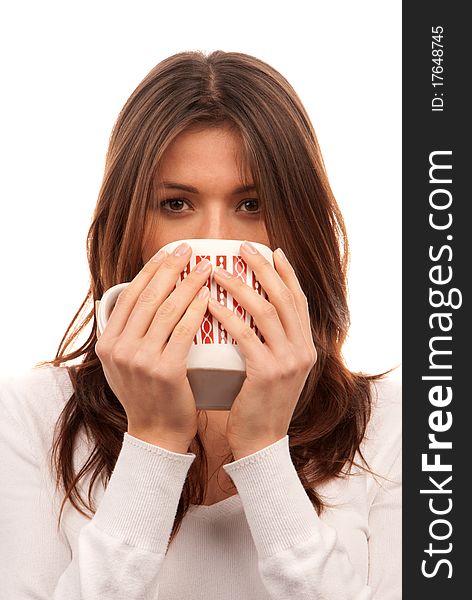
(216, 226)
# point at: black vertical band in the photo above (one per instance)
(437, 258)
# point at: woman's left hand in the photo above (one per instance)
(276, 370)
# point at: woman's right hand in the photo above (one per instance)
(146, 370)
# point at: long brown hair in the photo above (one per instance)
(301, 215)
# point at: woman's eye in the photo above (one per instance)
(251, 206)
(173, 204)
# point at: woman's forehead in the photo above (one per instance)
(202, 156)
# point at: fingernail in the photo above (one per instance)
(203, 266)
(203, 293)
(280, 252)
(223, 272)
(159, 256)
(215, 303)
(249, 248)
(182, 249)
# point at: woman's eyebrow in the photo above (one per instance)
(193, 190)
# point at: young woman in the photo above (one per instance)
(114, 484)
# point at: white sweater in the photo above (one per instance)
(265, 542)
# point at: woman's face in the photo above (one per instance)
(206, 161)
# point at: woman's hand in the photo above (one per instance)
(276, 370)
(144, 349)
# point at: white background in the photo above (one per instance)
(67, 70)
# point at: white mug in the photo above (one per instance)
(216, 368)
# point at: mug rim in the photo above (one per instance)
(214, 241)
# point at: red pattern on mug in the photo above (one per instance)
(255, 286)
(222, 297)
(206, 328)
(206, 334)
(240, 271)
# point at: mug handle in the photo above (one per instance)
(103, 307)
(97, 306)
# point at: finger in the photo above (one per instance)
(181, 340)
(287, 273)
(148, 299)
(250, 345)
(127, 298)
(171, 310)
(279, 294)
(263, 312)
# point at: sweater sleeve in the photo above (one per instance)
(120, 550)
(385, 539)
(299, 555)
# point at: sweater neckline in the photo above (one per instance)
(222, 508)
